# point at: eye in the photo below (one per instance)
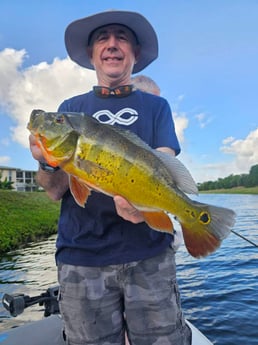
(102, 37)
(123, 37)
(60, 119)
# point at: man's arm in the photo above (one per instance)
(55, 184)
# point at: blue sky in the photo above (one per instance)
(207, 70)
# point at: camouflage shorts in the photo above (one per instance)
(99, 303)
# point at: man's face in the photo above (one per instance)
(113, 51)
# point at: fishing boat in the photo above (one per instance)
(49, 330)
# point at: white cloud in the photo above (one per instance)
(240, 155)
(244, 155)
(244, 150)
(43, 86)
(203, 119)
(181, 123)
(10, 61)
(228, 140)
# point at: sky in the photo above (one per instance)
(207, 69)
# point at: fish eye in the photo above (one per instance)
(60, 119)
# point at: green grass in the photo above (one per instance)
(25, 217)
(236, 190)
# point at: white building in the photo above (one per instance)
(23, 180)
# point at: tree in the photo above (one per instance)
(245, 180)
(5, 184)
(253, 176)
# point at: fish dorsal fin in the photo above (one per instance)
(131, 136)
(180, 174)
(79, 190)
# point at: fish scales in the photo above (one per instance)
(120, 173)
(120, 165)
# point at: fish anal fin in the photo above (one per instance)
(199, 243)
(159, 221)
(79, 190)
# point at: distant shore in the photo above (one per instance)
(235, 190)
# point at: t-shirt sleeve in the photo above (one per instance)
(164, 131)
(63, 106)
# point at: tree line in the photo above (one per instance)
(243, 180)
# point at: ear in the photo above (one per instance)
(137, 52)
(89, 52)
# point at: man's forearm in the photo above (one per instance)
(55, 184)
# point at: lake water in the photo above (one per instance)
(219, 293)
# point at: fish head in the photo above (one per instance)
(54, 134)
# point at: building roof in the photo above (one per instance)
(3, 167)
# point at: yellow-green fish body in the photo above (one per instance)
(116, 162)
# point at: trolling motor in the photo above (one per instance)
(16, 303)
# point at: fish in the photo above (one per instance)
(112, 160)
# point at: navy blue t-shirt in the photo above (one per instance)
(96, 235)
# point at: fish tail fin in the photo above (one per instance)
(205, 236)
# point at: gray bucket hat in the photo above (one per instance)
(78, 32)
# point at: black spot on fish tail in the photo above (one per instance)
(205, 218)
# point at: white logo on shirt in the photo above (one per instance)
(125, 116)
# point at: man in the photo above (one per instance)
(145, 84)
(110, 263)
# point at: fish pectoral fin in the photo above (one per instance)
(79, 190)
(200, 242)
(91, 168)
(158, 220)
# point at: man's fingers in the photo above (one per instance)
(127, 211)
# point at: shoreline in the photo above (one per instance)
(235, 190)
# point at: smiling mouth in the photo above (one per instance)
(112, 59)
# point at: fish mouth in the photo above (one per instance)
(33, 116)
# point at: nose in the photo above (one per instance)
(112, 42)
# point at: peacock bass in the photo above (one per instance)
(114, 161)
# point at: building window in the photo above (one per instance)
(9, 175)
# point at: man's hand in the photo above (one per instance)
(127, 211)
(54, 184)
(35, 149)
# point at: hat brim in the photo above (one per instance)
(77, 35)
